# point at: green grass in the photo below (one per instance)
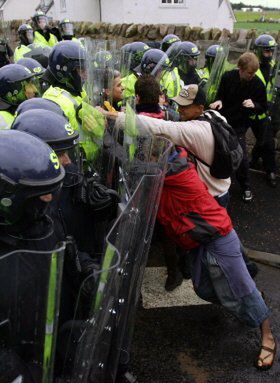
(262, 27)
(246, 20)
(251, 16)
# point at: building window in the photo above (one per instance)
(63, 7)
(173, 3)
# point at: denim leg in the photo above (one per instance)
(250, 309)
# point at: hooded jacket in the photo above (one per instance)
(190, 215)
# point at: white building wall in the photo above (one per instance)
(19, 9)
(204, 13)
(82, 10)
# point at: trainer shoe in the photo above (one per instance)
(247, 196)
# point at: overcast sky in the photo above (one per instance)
(265, 3)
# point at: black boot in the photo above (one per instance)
(173, 280)
(271, 179)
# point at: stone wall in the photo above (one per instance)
(125, 33)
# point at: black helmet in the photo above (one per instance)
(187, 55)
(103, 59)
(137, 50)
(188, 49)
(211, 53)
(65, 58)
(33, 65)
(152, 58)
(39, 103)
(168, 40)
(212, 50)
(66, 28)
(40, 19)
(126, 48)
(13, 81)
(26, 34)
(264, 43)
(39, 53)
(57, 132)
(28, 168)
(53, 129)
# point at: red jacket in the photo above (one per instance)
(190, 215)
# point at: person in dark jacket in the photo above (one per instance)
(242, 95)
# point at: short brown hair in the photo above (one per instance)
(248, 60)
(148, 89)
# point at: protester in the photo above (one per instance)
(242, 95)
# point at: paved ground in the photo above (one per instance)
(180, 339)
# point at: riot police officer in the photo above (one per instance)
(66, 29)
(26, 37)
(39, 103)
(261, 124)
(30, 176)
(42, 34)
(137, 50)
(188, 54)
(16, 86)
(168, 41)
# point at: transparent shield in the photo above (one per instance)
(29, 307)
(102, 322)
(274, 104)
(216, 72)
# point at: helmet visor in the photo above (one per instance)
(67, 29)
(31, 88)
(29, 36)
(42, 22)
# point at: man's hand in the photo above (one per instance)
(217, 105)
(248, 103)
(106, 113)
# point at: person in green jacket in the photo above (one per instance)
(15, 87)
(262, 125)
(137, 50)
(26, 37)
(66, 72)
(42, 34)
(66, 29)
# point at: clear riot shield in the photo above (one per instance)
(87, 338)
(217, 70)
(138, 223)
(106, 329)
(29, 306)
(98, 82)
(274, 104)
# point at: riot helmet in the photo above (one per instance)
(126, 48)
(58, 133)
(187, 56)
(16, 85)
(211, 53)
(167, 41)
(264, 47)
(26, 34)
(137, 50)
(66, 28)
(67, 65)
(103, 59)
(151, 59)
(40, 20)
(39, 53)
(39, 103)
(33, 65)
(29, 168)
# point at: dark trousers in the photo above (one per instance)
(264, 147)
(242, 173)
